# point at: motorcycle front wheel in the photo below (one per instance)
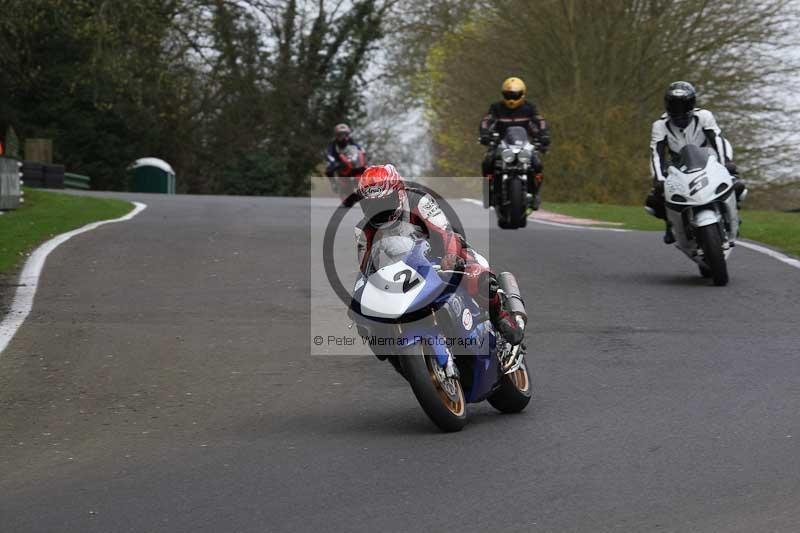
(514, 393)
(441, 397)
(487, 193)
(516, 198)
(711, 242)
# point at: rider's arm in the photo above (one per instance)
(439, 228)
(658, 141)
(333, 160)
(543, 135)
(537, 128)
(331, 154)
(713, 133)
(364, 234)
(487, 126)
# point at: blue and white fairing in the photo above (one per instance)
(401, 280)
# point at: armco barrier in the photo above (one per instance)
(43, 175)
(76, 181)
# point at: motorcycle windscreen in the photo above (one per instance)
(693, 158)
(351, 153)
(516, 136)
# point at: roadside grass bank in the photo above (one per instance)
(46, 214)
(774, 228)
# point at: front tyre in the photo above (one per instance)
(516, 200)
(711, 242)
(514, 393)
(441, 398)
(487, 193)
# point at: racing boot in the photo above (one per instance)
(534, 201)
(534, 193)
(740, 190)
(506, 308)
(669, 237)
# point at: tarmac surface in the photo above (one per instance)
(165, 382)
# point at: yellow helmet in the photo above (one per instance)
(514, 92)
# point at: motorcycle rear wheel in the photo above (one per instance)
(711, 242)
(440, 397)
(514, 393)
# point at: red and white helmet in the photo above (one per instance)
(382, 193)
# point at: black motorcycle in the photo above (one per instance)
(515, 157)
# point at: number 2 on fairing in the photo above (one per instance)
(408, 282)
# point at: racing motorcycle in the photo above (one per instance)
(701, 205)
(418, 317)
(352, 163)
(507, 189)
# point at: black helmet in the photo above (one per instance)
(679, 101)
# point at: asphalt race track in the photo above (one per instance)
(164, 382)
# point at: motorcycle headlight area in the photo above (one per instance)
(525, 156)
(508, 155)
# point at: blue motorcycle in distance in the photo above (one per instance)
(421, 320)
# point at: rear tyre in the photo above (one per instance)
(441, 398)
(514, 393)
(711, 242)
(516, 199)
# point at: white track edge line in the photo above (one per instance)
(783, 258)
(29, 277)
(557, 224)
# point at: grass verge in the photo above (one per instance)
(47, 214)
(781, 230)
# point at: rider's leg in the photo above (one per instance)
(487, 165)
(482, 284)
(535, 180)
(739, 188)
(655, 201)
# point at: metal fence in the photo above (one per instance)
(76, 181)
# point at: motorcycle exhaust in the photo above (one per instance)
(514, 303)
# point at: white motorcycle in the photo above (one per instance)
(701, 206)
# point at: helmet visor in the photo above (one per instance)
(512, 95)
(679, 106)
(380, 210)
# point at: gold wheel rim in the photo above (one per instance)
(455, 403)
(520, 379)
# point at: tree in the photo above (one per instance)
(598, 71)
(94, 76)
(210, 85)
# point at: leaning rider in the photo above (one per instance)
(515, 110)
(683, 124)
(387, 203)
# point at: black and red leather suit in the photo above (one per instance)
(501, 117)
